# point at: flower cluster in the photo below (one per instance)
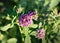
(40, 33)
(34, 15)
(26, 19)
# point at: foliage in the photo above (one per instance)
(48, 19)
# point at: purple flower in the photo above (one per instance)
(33, 15)
(25, 20)
(40, 33)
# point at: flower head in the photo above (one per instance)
(33, 15)
(25, 20)
(40, 33)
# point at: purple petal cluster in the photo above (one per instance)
(40, 33)
(25, 20)
(33, 15)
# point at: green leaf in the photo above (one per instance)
(40, 25)
(33, 26)
(25, 29)
(48, 40)
(5, 28)
(4, 40)
(27, 39)
(44, 40)
(54, 3)
(12, 40)
(55, 26)
(33, 33)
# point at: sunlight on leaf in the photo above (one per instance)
(12, 40)
(27, 39)
(5, 28)
(54, 3)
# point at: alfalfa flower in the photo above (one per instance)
(34, 15)
(40, 33)
(25, 20)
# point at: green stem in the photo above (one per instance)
(26, 31)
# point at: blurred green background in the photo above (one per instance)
(48, 18)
